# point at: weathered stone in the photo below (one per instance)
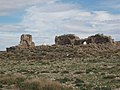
(69, 39)
(97, 39)
(13, 48)
(26, 41)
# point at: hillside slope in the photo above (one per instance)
(83, 67)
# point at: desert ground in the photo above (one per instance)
(55, 67)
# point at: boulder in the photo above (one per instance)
(68, 39)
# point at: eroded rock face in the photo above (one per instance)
(26, 41)
(68, 39)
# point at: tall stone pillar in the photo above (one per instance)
(26, 41)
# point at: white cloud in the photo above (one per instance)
(8, 6)
(39, 19)
(9, 28)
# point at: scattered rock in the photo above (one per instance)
(13, 48)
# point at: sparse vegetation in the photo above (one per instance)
(83, 67)
(41, 84)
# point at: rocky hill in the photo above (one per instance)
(75, 67)
(67, 51)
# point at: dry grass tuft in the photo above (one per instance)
(41, 84)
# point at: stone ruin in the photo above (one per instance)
(67, 39)
(25, 43)
(98, 39)
(71, 39)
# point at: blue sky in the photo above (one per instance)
(45, 19)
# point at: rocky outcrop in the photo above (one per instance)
(26, 41)
(68, 39)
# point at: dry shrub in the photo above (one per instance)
(41, 84)
(14, 79)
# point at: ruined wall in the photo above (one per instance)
(99, 39)
(26, 41)
(69, 39)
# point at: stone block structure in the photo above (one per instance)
(68, 39)
(71, 39)
(98, 39)
(26, 41)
